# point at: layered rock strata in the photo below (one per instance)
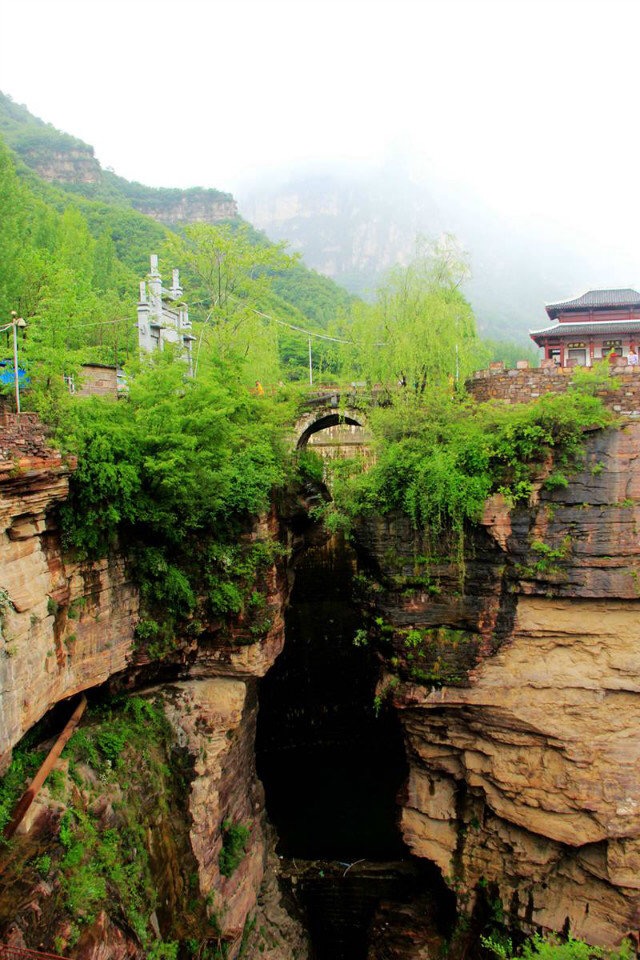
(518, 689)
(66, 626)
(72, 164)
(188, 206)
(215, 722)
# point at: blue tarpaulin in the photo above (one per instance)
(6, 374)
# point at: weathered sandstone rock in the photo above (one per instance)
(214, 721)
(523, 732)
(66, 626)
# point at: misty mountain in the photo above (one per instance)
(353, 224)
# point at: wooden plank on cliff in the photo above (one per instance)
(36, 784)
(22, 953)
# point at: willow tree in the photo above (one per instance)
(421, 332)
(230, 270)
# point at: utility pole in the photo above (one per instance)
(16, 322)
(310, 365)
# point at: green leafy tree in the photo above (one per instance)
(231, 271)
(175, 473)
(421, 332)
(26, 238)
(104, 263)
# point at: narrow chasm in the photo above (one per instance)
(332, 766)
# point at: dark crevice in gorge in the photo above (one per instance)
(332, 769)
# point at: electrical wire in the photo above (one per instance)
(307, 333)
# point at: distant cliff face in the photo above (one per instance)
(77, 165)
(192, 207)
(353, 224)
(69, 162)
(350, 232)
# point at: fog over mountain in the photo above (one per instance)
(353, 222)
(517, 116)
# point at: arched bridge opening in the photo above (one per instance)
(328, 421)
(333, 425)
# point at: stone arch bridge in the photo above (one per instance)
(334, 424)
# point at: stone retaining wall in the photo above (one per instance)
(621, 393)
(22, 435)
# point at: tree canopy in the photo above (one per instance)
(421, 331)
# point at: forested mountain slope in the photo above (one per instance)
(76, 241)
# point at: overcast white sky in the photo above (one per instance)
(536, 105)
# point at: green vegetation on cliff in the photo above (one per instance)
(24, 764)
(176, 474)
(111, 188)
(116, 841)
(33, 138)
(438, 459)
(40, 145)
(554, 947)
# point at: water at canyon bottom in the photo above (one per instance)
(331, 769)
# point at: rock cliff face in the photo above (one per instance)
(515, 676)
(523, 730)
(215, 722)
(68, 627)
(77, 165)
(350, 234)
(208, 787)
(192, 206)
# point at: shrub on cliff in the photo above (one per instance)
(437, 459)
(553, 947)
(174, 473)
(234, 844)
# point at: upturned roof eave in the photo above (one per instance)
(589, 327)
(599, 299)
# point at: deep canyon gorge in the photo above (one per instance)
(475, 750)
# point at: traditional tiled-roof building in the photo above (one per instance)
(590, 327)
